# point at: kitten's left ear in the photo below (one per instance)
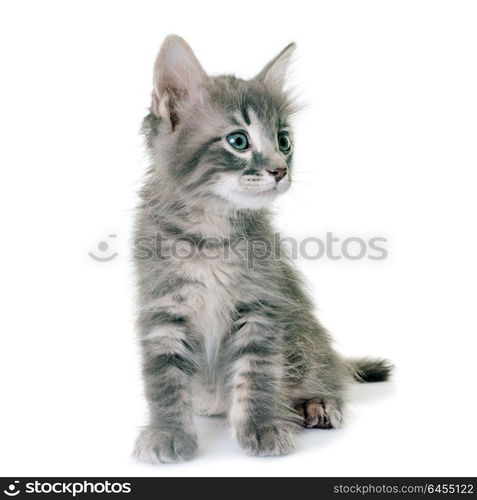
(178, 78)
(274, 73)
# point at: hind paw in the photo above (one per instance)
(320, 413)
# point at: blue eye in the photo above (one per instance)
(284, 142)
(238, 140)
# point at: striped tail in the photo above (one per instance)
(371, 370)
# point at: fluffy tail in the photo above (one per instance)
(371, 370)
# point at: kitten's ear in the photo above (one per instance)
(274, 73)
(178, 76)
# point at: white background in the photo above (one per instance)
(386, 147)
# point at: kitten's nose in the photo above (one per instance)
(279, 173)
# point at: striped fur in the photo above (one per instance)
(219, 335)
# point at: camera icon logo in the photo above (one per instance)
(103, 247)
(12, 489)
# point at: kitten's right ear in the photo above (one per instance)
(274, 73)
(178, 77)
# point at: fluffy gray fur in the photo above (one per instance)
(218, 335)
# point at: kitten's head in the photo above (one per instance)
(220, 137)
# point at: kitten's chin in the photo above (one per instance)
(251, 201)
(248, 199)
(230, 190)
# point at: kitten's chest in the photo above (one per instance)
(214, 301)
(213, 319)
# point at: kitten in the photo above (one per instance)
(220, 336)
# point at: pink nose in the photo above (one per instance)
(278, 173)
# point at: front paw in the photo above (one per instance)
(162, 445)
(266, 440)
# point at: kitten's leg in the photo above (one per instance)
(318, 376)
(168, 367)
(260, 419)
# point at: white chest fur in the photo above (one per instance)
(211, 309)
(212, 302)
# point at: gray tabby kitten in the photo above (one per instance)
(223, 332)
